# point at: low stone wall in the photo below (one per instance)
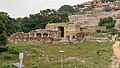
(46, 40)
(95, 39)
(80, 36)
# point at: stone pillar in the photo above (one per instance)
(48, 35)
(41, 34)
(35, 35)
(55, 35)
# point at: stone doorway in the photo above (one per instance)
(62, 30)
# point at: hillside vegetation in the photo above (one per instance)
(81, 55)
(9, 25)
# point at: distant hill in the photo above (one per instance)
(96, 6)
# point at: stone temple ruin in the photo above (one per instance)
(35, 36)
(79, 27)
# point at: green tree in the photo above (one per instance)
(80, 6)
(108, 22)
(3, 35)
(27, 25)
(19, 23)
(41, 19)
(10, 24)
(66, 9)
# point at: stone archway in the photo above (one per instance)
(39, 34)
(45, 35)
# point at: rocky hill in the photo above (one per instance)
(96, 6)
(90, 13)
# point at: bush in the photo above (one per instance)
(13, 50)
(107, 9)
(35, 66)
(98, 31)
(108, 22)
(66, 9)
(8, 56)
(3, 49)
(8, 66)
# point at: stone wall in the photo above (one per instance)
(35, 36)
(80, 36)
(92, 28)
(68, 28)
(92, 19)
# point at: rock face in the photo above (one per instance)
(99, 5)
(117, 25)
(93, 19)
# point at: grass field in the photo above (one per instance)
(80, 55)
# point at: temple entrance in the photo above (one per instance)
(62, 31)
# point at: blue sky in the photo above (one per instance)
(21, 8)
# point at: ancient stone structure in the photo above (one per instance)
(92, 28)
(82, 35)
(74, 30)
(79, 26)
(92, 20)
(83, 23)
(65, 28)
(35, 36)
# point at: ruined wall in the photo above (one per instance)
(36, 36)
(68, 28)
(92, 19)
(92, 28)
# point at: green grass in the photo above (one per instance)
(95, 34)
(36, 55)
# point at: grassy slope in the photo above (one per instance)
(36, 55)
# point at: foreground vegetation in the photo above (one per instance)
(80, 55)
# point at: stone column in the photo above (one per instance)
(48, 35)
(41, 34)
(35, 35)
(55, 35)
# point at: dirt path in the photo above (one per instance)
(116, 57)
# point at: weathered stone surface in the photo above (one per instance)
(38, 36)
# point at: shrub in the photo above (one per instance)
(35, 66)
(8, 56)
(3, 49)
(107, 9)
(108, 22)
(8, 66)
(13, 50)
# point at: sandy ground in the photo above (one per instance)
(116, 57)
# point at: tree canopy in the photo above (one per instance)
(66, 9)
(3, 35)
(108, 22)
(41, 19)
